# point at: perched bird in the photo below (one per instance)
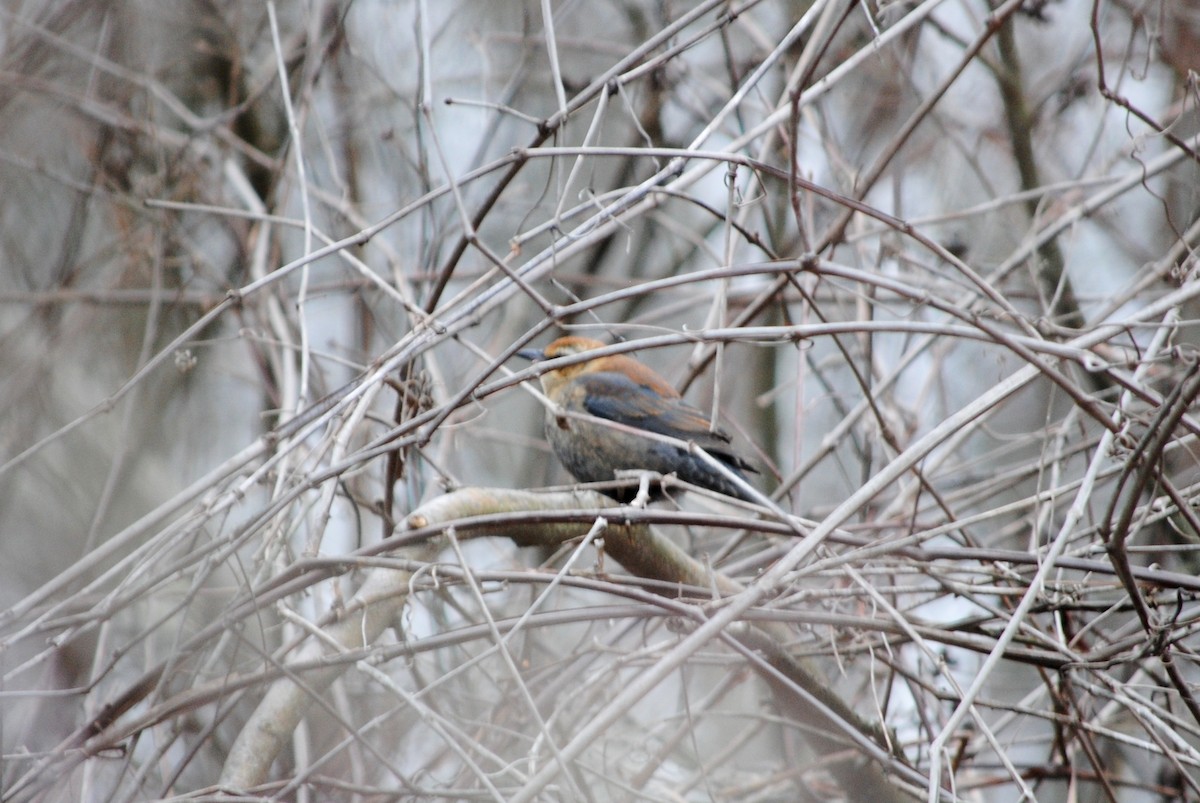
(622, 390)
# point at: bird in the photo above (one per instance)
(640, 403)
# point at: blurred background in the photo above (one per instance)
(262, 266)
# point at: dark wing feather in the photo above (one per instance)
(616, 397)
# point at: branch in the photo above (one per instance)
(799, 689)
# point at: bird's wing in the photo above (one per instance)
(618, 398)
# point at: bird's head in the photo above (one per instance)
(563, 347)
(554, 380)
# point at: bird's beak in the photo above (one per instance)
(533, 355)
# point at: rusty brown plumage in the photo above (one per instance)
(641, 404)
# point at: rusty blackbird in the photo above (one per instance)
(619, 389)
